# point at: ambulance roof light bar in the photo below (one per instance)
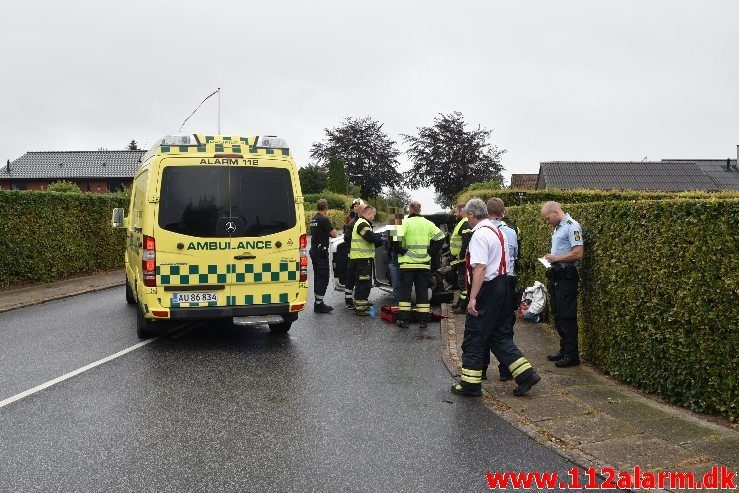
(179, 140)
(271, 142)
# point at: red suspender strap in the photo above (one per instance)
(502, 268)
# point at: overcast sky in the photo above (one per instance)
(554, 80)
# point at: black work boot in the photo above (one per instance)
(467, 389)
(349, 304)
(322, 308)
(461, 309)
(555, 357)
(567, 361)
(402, 324)
(525, 381)
(423, 324)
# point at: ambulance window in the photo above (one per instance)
(139, 197)
(263, 199)
(193, 198)
(200, 201)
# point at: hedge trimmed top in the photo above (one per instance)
(511, 197)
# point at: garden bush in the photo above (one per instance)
(511, 198)
(46, 236)
(658, 293)
(335, 201)
(337, 218)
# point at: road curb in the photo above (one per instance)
(450, 356)
(61, 296)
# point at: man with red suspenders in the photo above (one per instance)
(490, 295)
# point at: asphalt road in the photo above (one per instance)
(340, 404)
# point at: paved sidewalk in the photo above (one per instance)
(10, 299)
(594, 420)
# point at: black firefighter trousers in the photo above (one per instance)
(421, 279)
(461, 269)
(492, 330)
(508, 328)
(362, 269)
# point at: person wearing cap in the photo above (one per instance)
(353, 211)
(420, 237)
(488, 308)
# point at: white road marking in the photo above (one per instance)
(76, 372)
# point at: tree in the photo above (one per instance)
(133, 146)
(370, 157)
(493, 184)
(63, 186)
(336, 176)
(313, 178)
(397, 197)
(449, 157)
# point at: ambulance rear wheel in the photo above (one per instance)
(129, 294)
(282, 328)
(144, 326)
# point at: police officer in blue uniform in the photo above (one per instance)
(567, 251)
(321, 231)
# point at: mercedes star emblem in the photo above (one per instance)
(230, 227)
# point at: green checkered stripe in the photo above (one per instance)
(264, 272)
(267, 272)
(226, 144)
(252, 274)
(261, 299)
(184, 275)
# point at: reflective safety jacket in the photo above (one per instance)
(418, 235)
(363, 240)
(459, 240)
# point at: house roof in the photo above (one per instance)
(724, 178)
(668, 175)
(73, 164)
(519, 180)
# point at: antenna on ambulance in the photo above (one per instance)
(217, 91)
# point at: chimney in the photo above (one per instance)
(7, 168)
(728, 164)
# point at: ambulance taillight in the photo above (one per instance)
(303, 258)
(149, 262)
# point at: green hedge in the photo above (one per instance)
(46, 236)
(658, 294)
(337, 218)
(335, 201)
(510, 196)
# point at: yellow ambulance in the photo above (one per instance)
(215, 230)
